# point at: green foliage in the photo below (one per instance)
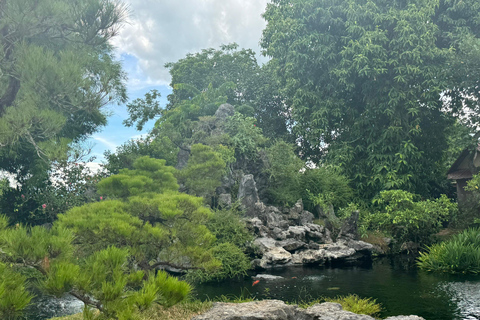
(126, 154)
(325, 186)
(71, 184)
(363, 81)
(406, 219)
(57, 73)
(203, 172)
(228, 227)
(245, 136)
(254, 91)
(283, 169)
(234, 264)
(13, 295)
(460, 254)
(290, 180)
(148, 175)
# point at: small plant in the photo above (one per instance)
(351, 302)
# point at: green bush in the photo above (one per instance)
(228, 227)
(399, 213)
(460, 254)
(351, 302)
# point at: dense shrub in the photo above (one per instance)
(401, 214)
(460, 254)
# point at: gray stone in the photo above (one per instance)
(278, 234)
(405, 318)
(349, 229)
(247, 194)
(255, 310)
(309, 257)
(296, 232)
(224, 111)
(225, 200)
(182, 157)
(279, 310)
(291, 244)
(332, 311)
(265, 244)
(305, 217)
(277, 256)
(267, 277)
(337, 251)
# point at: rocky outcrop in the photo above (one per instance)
(248, 195)
(288, 236)
(278, 310)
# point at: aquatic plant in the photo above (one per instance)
(460, 254)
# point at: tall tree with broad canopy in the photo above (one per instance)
(57, 71)
(372, 84)
(253, 89)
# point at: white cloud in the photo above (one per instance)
(112, 146)
(165, 31)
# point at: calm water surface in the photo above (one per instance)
(395, 283)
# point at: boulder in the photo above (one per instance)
(225, 200)
(291, 244)
(265, 244)
(332, 311)
(255, 310)
(309, 257)
(276, 256)
(267, 277)
(279, 310)
(248, 195)
(349, 229)
(405, 318)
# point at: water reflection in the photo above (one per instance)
(466, 295)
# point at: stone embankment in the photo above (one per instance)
(279, 310)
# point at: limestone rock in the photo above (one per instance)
(309, 257)
(291, 244)
(279, 310)
(277, 256)
(267, 277)
(248, 195)
(255, 310)
(265, 244)
(349, 229)
(405, 318)
(332, 311)
(225, 200)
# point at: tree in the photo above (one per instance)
(364, 81)
(102, 279)
(57, 71)
(252, 89)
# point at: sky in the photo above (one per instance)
(161, 31)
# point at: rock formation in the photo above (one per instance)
(279, 310)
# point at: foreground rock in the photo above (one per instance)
(278, 310)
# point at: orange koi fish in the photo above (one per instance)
(255, 282)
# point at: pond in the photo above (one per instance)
(393, 282)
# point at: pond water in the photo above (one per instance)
(393, 282)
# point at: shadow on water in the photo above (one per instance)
(394, 282)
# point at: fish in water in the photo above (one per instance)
(255, 282)
(334, 288)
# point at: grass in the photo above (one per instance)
(460, 254)
(351, 302)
